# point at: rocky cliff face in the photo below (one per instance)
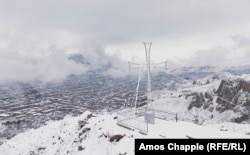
(201, 100)
(234, 95)
(231, 95)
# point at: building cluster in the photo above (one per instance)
(30, 105)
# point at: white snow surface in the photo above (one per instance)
(246, 77)
(62, 137)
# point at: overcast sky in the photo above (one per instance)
(37, 35)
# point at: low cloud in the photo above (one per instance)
(237, 54)
(56, 65)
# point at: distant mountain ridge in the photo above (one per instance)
(212, 69)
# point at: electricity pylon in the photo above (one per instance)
(148, 66)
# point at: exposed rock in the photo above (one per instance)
(83, 131)
(234, 95)
(197, 100)
(227, 90)
(41, 148)
(89, 116)
(223, 105)
(82, 123)
(205, 106)
(80, 148)
(208, 96)
(242, 118)
(116, 138)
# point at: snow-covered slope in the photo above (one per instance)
(192, 95)
(214, 98)
(97, 134)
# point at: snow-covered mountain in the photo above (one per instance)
(99, 134)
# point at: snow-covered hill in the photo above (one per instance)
(97, 134)
(213, 97)
(197, 95)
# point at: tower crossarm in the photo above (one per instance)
(162, 65)
(133, 65)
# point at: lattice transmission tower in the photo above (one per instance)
(148, 65)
